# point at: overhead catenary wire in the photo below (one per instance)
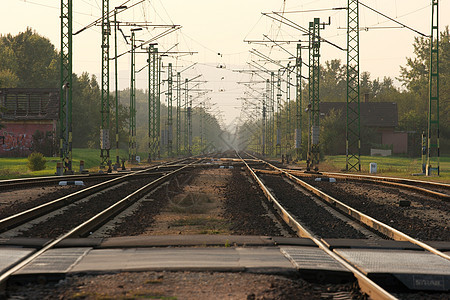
(393, 20)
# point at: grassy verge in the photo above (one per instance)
(391, 166)
(17, 167)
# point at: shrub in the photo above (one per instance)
(36, 161)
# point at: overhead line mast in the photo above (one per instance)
(104, 128)
(65, 107)
(433, 102)
(353, 129)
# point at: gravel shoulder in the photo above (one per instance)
(183, 285)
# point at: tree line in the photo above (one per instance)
(29, 60)
(411, 99)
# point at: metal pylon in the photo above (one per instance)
(433, 154)
(65, 107)
(105, 145)
(132, 129)
(278, 116)
(298, 103)
(169, 111)
(353, 129)
(152, 103)
(185, 131)
(313, 107)
(268, 122)
(288, 111)
(178, 121)
(263, 123)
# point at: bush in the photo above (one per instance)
(36, 161)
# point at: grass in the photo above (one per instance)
(391, 166)
(16, 167)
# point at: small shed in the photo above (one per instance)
(23, 112)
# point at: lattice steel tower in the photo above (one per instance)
(65, 107)
(433, 153)
(313, 107)
(169, 111)
(298, 103)
(278, 116)
(178, 121)
(353, 129)
(132, 129)
(105, 145)
(152, 102)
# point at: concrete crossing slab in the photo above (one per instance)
(10, 256)
(218, 259)
(419, 270)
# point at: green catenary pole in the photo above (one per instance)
(65, 108)
(178, 145)
(186, 125)
(314, 101)
(353, 129)
(433, 102)
(298, 103)
(132, 130)
(104, 128)
(288, 108)
(116, 83)
(152, 102)
(278, 116)
(169, 111)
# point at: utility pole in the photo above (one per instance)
(189, 115)
(288, 108)
(268, 121)
(201, 126)
(186, 123)
(65, 107)
(152, 102)
(314, 101)
(169, 111)
(278, 116)
(298, 103)
(116, 81)
(433, 102)
(353, 129)
(178, 121)
(105, 145)
(132, 130)
(158, 107)
(263, 127)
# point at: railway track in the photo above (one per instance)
(332, 218)
(91, 222)
(327, 226)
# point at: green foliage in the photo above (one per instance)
(36, 161)
(28, 60)
(392, 166)
(332, 135)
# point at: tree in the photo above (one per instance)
(415, 77)
(28, 60)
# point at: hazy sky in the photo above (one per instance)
(210, 27)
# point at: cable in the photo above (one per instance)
(393, 20)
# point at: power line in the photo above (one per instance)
(393, 20)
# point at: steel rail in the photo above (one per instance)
(34, 181)
(89, 225)
(367, 285)
(361, 217)
(400, 182)
(25, 216)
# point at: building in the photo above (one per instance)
(382, 117)
(23, 113)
